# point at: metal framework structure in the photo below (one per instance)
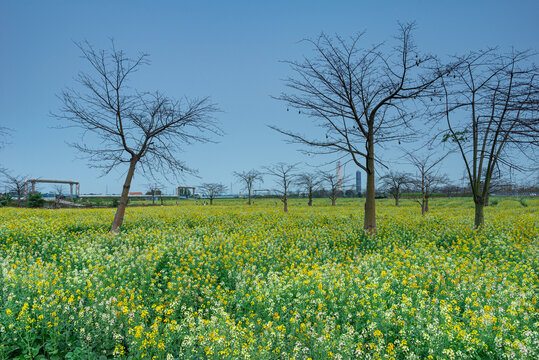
(34, 181)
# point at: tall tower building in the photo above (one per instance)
(358, 182)
(339, 176)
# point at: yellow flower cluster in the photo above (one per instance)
(232, 281)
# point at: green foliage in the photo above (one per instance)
(35, 201)
(523, 202)
(97, 202)
(5, 200)
(115, 203)
(457, 136)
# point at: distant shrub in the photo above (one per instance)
(115, 203)
(35, 201)
(4, 201)
(494, 202)
(97, 202)
(523, 202)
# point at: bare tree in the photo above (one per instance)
(15, 184)
(155, 190)
(249, 178)
(427, 179)
(489, 106)
(394, 182)
(58, 192)
(309, 181)
(358, 96)
(285, 178)
(211, 190)
(131, 127)
(335, 185)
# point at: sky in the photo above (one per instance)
(232, 51)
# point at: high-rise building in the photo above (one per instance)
(339, 176)
(358, 182)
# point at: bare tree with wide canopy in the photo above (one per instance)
(359, 98)
(331, 179)
(155, 190)
(58, 191)
(15, 184)
(128, 126)
(309, 181)
(428, 179)
(489, 108)
(211, 190)
(285, 176)
(249, 178)
(394, 182)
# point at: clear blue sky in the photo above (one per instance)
(229, 50)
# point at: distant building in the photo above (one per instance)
(339, 176)
(358, 182)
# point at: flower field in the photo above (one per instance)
(236, 282)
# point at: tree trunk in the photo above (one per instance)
(153, 197)
(249, 201)
(486, 200)
(310, 203)
(285, 194)
(119, 217)
(333, 200)
(423, 198)
(211, 200)
(479, 214)
(426, 205)
(370, 207)
(396, 201)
